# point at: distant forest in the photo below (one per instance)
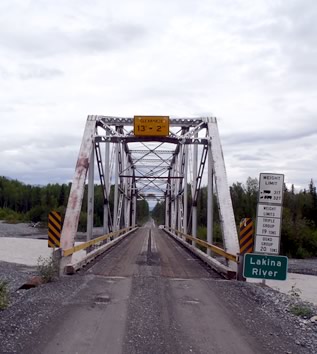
(24, 203)
(27, 203)
(299, 224)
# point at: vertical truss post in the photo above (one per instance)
(194, 208)
(127, 195)
(173, 217)
(134, 207)
(210, 195)
(116, 187)
(130, 196)
(90, 204)
(106, 228)
(175, 194)
(167, 202)
(180, 214)
(228, 226)
(185, 210)
(77, 190)
(133, 198)
(124, 186)
(121, 189)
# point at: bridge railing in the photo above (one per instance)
(99, 241)
(213, 248)
(229, 271)
(69, 266)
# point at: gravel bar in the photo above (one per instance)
(254, 304)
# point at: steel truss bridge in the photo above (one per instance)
(154, 168)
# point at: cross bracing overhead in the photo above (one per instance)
(158, 168)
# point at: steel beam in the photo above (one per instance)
(106, 228)
(90, 201)
(210, 198)
(185, 213)
(78, 186)
(228, 226)
(116, 187)
(194, 202)
(173, 122)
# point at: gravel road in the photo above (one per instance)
(190, 315)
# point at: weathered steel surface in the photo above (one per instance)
(230, 236)
(125, 121)
(78, 186)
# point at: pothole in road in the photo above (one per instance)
(192, 302)
(102, 299)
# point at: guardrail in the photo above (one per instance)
(203, 243)
(222, 269)
(71, 268)
(95, 241)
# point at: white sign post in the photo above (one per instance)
(269, 214)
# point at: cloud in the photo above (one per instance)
(46, 159)
(243, 157)
(269, 137)
(37, 72)
(55, 42)
(251, 64)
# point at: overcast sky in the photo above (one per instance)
(250, 63)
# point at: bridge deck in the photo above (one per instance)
(147, 295)
(150, 252)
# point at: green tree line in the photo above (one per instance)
(25, 203)
(299, 223)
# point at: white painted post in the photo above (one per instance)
(185, 190)
(167, 206)
(175, 194)
(134, 209)
(90, 204)
(229, 230)
(107, 185)
(210, 206)
(173, 197)
(194, 212)
(125, 186)
(116, 186)
(128, 195)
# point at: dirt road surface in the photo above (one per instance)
(150, 295)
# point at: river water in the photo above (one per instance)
(27, 250)
(305, 286)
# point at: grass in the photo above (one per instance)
(11, 217)
(301, 310)
(4, 295)
(47, 269)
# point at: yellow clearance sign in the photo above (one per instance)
(151, 125)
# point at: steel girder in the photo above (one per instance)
(151, 168)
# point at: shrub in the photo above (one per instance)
(295, 292)
(82, 225)
(38, 213)
(47, 268)
(301, 310)
(202, 233)
(4, 295)
(10, 216)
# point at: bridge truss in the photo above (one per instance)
(152, 168)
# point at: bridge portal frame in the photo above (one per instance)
(130, 183)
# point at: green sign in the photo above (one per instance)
(261, 266)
